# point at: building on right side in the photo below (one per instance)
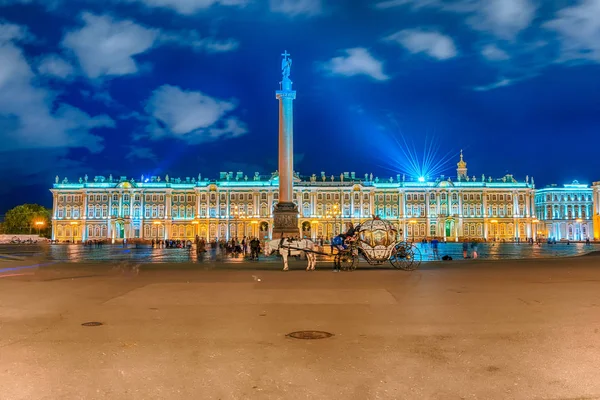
(596, 211)
(567, 212)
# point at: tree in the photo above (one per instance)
(22, 219)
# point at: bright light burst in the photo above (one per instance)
(420, 166)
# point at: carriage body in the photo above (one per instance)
(379, 242)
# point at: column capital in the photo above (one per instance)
(285, 94)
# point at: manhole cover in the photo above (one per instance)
(94, 323)
(309, 335)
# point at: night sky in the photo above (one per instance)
(181, 87)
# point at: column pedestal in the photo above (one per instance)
(285, 221)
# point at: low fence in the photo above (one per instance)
(8, 238)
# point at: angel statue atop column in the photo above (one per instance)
(286, 65)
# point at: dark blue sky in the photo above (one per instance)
(181, 87)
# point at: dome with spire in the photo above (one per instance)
(461, 163)
(461, 171)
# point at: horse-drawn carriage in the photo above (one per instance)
(376, 240)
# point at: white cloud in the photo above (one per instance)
(54, 65)
(12, 32)
(31, 116)
(107, 47)
(193, 40)
(434, 44)
(294, 8)
(356, 61)
(191, 116)
(189, 7)
(495, 85)
(501, 18)
(578, 29)
(492, 52)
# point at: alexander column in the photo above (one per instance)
(285, 215)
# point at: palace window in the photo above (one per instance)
(189, 213)
(104, 211)
(306, 210)
(68, 213)
(154, 211)
(125, 197)
(432, 231)
(125, 210)
(90, 212)
(471, 197)
(136, 211)
(454, 209)
(432, 196)
(443, 196)
(409, 197)
(454, 196)
(161, 211)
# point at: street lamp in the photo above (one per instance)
(38, 225)
(413, 222)
(494, 222)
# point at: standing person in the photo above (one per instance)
(254, 248)
(474, 248)
(465, 247)
(434, 248)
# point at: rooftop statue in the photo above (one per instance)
(56, 179)
(286, 65)
(85, 178)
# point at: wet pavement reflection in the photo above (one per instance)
(147, 254)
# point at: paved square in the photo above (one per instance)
(481, 330)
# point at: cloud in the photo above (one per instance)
(356, 61)
(31, 116)
(295, 8)
(55, 66)
(104, 46)
(12, 32)
(189, 7)
(578, 31)
(141, 153)
(501, 18)
(107, 47)
(504, 82)
(191, 116)
(492, 52)
(432, 43)
(193, 40)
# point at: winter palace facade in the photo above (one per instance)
(236, 205)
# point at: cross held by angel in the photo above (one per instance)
(286, 65)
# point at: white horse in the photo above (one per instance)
(291, 247)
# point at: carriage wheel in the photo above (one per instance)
(406, 257)
(398, 256)
(347, 261)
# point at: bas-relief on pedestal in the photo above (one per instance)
(285, 214)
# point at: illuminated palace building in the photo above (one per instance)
(235, 205)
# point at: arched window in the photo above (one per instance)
(175, 212)
(90, 231)
(306, 209)
(90, 212)
(98, 231)
(60, 231)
